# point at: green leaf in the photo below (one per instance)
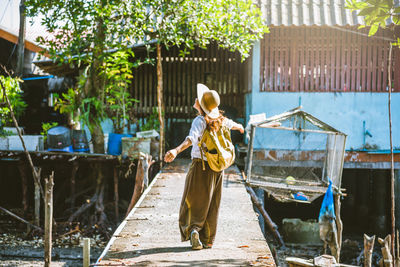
(374, 28)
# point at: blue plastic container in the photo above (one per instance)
(64, 149)
(115, 144)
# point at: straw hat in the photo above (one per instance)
(209, 100)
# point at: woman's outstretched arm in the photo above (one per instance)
(171, 154)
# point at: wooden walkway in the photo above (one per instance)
(149, 236)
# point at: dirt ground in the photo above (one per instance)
(351, 253)
(18, 250)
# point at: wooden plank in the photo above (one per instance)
(328, 60)
(28, 45)
(268, 63)
(144, 90)
(167, 83)
(192, 81)
(349, 49)
(369, 54)
(322, 59)
(311, 61)
(303, 39)
(364, 64)
(396, 68)
(374, 67)
(173, 76)
(337, 62)
(140, 90)
(293, 61)
(379, 65)
(317, 67)
(332, 61)
(286, 61)
(358, 68)
(185, 87)
(178, 99)
(271, 60)
(262, 64)
(353, 56)
(385, 67)
(284, 64)
(344, 64)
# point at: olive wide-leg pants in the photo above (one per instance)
(200, 202)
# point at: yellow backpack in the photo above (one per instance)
(218, 149)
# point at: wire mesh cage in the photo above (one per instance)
(294, 155)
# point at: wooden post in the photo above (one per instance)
(21, 39)
(250, 151)
(75, 167)
(21, 220)
(48, 220)
(368, 249)
(272, 226)
(116, 195)
(22, 173)
(339, 226)
(142, 170)
(86, 252)
(37, 200)
(387, 258)
(397, 261)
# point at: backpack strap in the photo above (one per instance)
(201, 149)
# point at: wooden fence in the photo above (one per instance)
(326, 59)
(217, 68)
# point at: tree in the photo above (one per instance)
(376, 13)
(232, 24)
(81, 34)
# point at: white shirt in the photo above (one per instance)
(196, 132)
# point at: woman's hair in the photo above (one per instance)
(215, 124)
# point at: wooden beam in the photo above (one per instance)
(14, 39)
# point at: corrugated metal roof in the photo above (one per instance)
(310, 12)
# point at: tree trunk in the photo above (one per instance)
(21, 39)
(94, 86)
(98, 138)
(160, 100)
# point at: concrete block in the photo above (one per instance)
(3, 143)
(13, 130)
(298, 231)
(32, 142)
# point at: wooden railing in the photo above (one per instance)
(327, 59)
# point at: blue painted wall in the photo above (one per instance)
(343, 111)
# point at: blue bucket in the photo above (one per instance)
(115, 144)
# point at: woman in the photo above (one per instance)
(198, 213)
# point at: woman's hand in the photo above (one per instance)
(241, 129)
(170, 155)
(238, 127)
